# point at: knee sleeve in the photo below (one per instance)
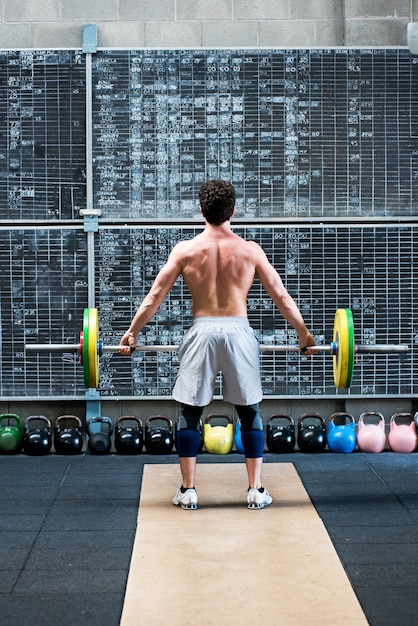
(249, 417)
(252, 434)
(188, 433)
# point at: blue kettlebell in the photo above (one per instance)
(341, 433)
(238, 438)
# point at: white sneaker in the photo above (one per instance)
(258, 499)
(187, 500)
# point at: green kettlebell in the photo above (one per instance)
(11, 433)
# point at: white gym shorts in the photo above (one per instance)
(213, 344)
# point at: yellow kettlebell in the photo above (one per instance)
(219, 438)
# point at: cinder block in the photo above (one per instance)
(286, 34)
(173, 34)
(204, 10)
(376, 32)
(163, 10)
(329, 33)
(14, 37)
(377, 8)
(320, 9)
(121, 35)
(57, 35)
(261, 10)
(27, 11)
(230, 34)
(91, 11)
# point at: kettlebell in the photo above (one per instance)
(402, 436)
(129, 436)
(238, 437)
(200, 434)
(159, 439)
(341, 435)
(218, 439)
(11, 433)
(37, 435)
(371, 437)
(280, 433)
(99, 431)
(68, 435)
(312, 434)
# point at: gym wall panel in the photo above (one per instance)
(322, 146)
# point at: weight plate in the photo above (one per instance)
(80, 348)
(344, 338)
(92, 340)
(85, 352)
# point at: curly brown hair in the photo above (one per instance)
(217, 201)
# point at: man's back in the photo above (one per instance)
(218, 267)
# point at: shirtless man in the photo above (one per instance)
(219, 268)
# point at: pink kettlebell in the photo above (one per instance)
(402, 436)
(371, 437)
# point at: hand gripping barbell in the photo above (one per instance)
(342, 348)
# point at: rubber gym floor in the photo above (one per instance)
(68, 523)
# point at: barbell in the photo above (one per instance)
(342, 348)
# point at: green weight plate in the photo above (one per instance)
(85, 351)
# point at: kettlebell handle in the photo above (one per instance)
(212, 416)
(39, 418)
(317, 416)
(404, 416)
(164, 418)
(371, 414)
(289, 418)
(126, 418)
(100, 420)
(342, 414)
(72, 418)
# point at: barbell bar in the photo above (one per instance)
(343, 348)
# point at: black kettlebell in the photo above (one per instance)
(312, 434)
(99, 431)
(128, 435)
(68, 434)
(280, 433)
(200, 434)
(159, 439)
(37, 435)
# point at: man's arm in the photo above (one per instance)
(164, 281)
(273, 284)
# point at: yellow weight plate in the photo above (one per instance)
(344, 338)
(92, 341)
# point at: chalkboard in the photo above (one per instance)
(312, 139)
(42, 134)
(43, 289)
(300, 133)
(367, 269)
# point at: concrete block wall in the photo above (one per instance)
(206, 23)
